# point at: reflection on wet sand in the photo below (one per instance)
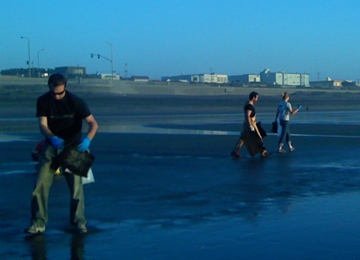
(39, 243)
(37, 246)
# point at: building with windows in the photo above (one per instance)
(180, 78)
(330, 83)
(245, 78)
(140, 78)
(211, 78)
(77, 71)
(284, 78)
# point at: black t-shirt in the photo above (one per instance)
(247, 107)
(64, 116)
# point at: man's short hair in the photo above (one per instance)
(252, 95)
(57, 79)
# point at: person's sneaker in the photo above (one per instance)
(81, 228)
(235, 154)
(282, 151)
(34, 229)
(292, 149)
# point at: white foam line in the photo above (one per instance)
(169, 131)
(330, 136)
(169, 116)
(15, 119)
(11, 138)
(15, 172)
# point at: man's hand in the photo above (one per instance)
(84, 145)
(57, 142)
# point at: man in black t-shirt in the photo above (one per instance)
(250, 135)
(60, 115)
(253, 97)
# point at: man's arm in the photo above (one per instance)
(93, 126)
(56, 142)
(44, 128)
(250, 121)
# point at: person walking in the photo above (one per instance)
(251, 134)
(283, 112)
(60, 116)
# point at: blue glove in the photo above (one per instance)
(57, 142)
(84, 145)
(299, 107)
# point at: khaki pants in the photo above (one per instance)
(40, 195)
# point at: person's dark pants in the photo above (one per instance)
(285, 132)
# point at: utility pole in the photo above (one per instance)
(112, 59)
(125, 70)
(38, 56)
(29, 61)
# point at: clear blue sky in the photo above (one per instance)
(169, 37)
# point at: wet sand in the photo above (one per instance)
(169, 195)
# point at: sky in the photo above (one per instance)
(158, 38)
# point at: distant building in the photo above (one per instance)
(245, 78)
(180, 78)
(210, 78)
(199, 78)
(140, 78)
(108, 76)
(284, 78)
(328, 83)
(77, 71)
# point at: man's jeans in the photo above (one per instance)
(40, 195)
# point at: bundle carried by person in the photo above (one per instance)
(77, 162)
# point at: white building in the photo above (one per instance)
(109, 76)
(245, 78)
(210, 78)
(331, 83)
(199, 78)
(284, 78)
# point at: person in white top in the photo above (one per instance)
(283, 112)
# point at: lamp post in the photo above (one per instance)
(112, 59)
(39, 62)
(29, 61)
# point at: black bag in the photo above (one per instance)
(78, 163)
(274, 127)
(262, 131)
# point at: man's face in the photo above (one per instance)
(256, 98)
(57, 92)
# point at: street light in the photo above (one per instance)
(29, 62)
(112, 59)
(39, 62)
